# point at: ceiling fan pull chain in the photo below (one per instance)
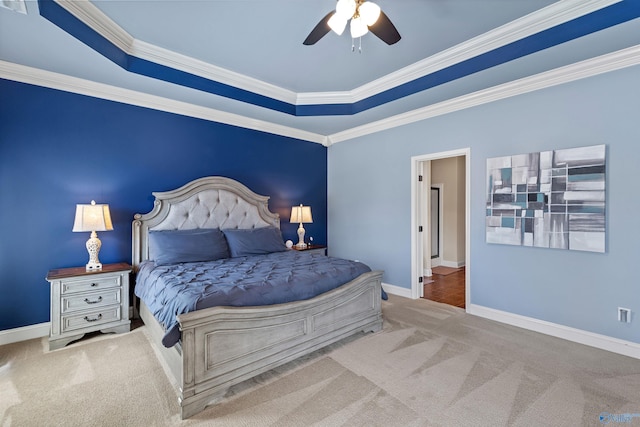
(353, 45)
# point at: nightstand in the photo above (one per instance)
(87, 301)
(313, 249)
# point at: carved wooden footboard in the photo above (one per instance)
(223, 346)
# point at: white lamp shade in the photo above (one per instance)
(337, 23)
(346, 8)
(92, 217)
(301, 214)
(358, 28)
(369, 12)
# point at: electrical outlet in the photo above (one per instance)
(624, 315)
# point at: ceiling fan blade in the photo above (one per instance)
(385, 30)
(319, 31)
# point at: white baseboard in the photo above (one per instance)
(603, 342)
(24, 333)
(31, 332)
(397, 290)
(452, 264)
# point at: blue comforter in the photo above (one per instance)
(274, 278)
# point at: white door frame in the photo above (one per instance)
(419, 169)
(417, 216)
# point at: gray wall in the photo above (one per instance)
(370, 211)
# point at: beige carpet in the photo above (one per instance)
(432, 365)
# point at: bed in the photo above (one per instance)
(220, 346)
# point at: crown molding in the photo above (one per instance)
(208, 71)
(602, 64)
(543, 19)
(533, 23)
(324, 98)
(584, 69)
(49, 79)
(86, 12)
(540, 20)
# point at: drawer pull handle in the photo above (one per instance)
(88, 301)
(93, 285)
(94, 319)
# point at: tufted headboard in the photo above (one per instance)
(209, 202)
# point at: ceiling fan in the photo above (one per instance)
(365, 16)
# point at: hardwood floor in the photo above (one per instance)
(448, 289)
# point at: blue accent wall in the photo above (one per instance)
(58, 149)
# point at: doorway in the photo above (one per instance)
(436, 224)
(446, 286)
(440, 224)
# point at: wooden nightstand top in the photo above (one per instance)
(61, 273)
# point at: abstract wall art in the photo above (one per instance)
(550, 199)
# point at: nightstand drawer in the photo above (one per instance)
(90, 301)
(91, 319)
(89, 284)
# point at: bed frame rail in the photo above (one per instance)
(226, 345)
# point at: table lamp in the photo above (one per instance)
(93, 218)
(301, 214)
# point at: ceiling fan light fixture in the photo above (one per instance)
(337, 23)
(364, 15)
(369, 12)
(346, 9)
(358, 27)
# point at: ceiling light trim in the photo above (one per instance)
(588, 68)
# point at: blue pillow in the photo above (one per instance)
(176, 246)
(254, 241)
